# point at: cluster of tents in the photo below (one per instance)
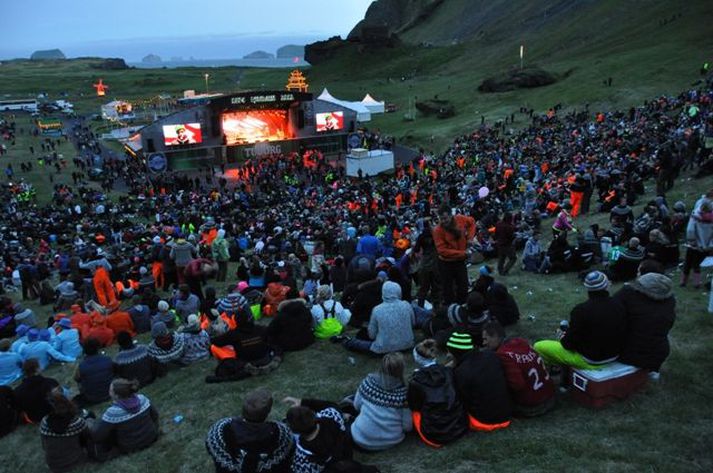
(364, 109)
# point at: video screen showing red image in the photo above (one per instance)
(330, 121)
(254, 126)
(182, 134)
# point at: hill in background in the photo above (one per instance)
(47, 54)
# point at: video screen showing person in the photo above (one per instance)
(330, 121)
(255, 126)
(182, 134)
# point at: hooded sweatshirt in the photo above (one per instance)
(650, 313)
(391, 323)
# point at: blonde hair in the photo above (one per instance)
(428, 348)
(392, 366)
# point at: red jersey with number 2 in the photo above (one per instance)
(528, 379)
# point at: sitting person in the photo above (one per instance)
(165, 315)
(94, 374)
(133, 361)
(661, 249)
(650, 308)
(67, 339)
(384, 416)
(390, 327)
(596, 330)
(234, 303)
(502, 306)
(31, 394)
(321, 438)
(248, 343)
(186, 303)
(165, 348)
(64, 434)
(128, 425)
(291, 328)
(625, 266)
(41, 350)
(326, 311)
(533, 255)
(11, 363)
(531, 389)
(9, 412)
(250, 443)
(140, 315)
(480, 384)
(362, 297)
(196, 341)
(437, 413)
(120, 321)
(467, 318)
(559, 255)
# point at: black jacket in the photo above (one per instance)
(31, 396)
(650, 314)
(432, 393)
(482, 388)
(596, 327)
(291, 329)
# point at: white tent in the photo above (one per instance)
(363, 113)
(374, 106)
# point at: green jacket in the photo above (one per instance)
(220, 249)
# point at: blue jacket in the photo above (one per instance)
(10, 367)
(95, 375)
(43, 351)
(370, 245)
(67, 342)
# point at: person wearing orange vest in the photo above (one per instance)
(451, 238)
(576, 193)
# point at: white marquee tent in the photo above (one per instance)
(362, 111)
(373, 105)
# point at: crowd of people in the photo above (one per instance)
(379, 266)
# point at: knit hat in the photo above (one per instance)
(163, 306)
(21, 330)
(382, 275)
(485, 270)
(221, 233)
(596, 281)
(65, 323)
(421, 360)
(192, 320)
(143, 270)
(242, 285)
(460, 341)
(33, 334)
(156, 239)
(159, 330)
(45, 335)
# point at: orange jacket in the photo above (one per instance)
(450, 248)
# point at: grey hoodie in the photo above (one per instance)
(653, 285)
(391, 323)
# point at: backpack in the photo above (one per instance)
(330, 326)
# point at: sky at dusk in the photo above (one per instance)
(201, 28)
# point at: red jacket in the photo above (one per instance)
(527, 378)
(120, 321)
(448, 247)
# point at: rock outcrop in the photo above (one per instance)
(291, 50)
(259, 55)
(151, 59)
(518, 79)
(111, 64)
(47, 54)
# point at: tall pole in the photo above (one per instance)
(522, 54)
(206, 82)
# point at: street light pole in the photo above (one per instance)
(206, 82)
(522, 54)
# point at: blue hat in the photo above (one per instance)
(21, 330)
(45, 335)
(596, 281)
(33, 334)
(485, 270)
(65, 323)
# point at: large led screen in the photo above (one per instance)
(330, 121)
(254, 126)
(182, 134)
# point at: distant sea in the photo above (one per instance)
(266, 63)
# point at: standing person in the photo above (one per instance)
(451, 238)
(195, 274)
(505, 244)
(182, 252)
(531, 389)
(130, 424)
(699, 239)
(428, 280)
(563, 222)
(220, 251)
(64, 434)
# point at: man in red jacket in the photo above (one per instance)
(531, 388)
(451, 238)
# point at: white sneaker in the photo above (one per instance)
(654, 375)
